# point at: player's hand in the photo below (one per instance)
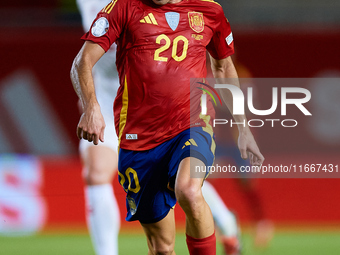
(91, 125)
(248, 146)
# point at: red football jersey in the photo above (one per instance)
(159, 50)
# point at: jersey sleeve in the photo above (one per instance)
(109, 24)
(222, 42)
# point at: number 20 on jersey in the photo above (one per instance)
(160, 40)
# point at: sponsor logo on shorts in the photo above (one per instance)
(189, 142)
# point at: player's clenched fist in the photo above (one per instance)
(91, 125)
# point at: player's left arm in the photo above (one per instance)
(224, 68)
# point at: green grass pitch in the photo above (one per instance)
(284, 242)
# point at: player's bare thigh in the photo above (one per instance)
(161, 235)
(100, 164)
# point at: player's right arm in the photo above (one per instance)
(91, 124)
(224, 68)
(220, 48)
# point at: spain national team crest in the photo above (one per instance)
(196, 21)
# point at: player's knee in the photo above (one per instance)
(189, 194)
(95, 174)
(93, 179)
(163, 249)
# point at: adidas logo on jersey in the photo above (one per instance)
(149, 19)
(131, 137)
(189, 142)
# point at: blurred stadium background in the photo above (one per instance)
(41, 191)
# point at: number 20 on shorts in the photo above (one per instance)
(128, 174)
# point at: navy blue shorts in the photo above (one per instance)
(148, 177)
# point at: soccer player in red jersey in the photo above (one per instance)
(162, 137)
